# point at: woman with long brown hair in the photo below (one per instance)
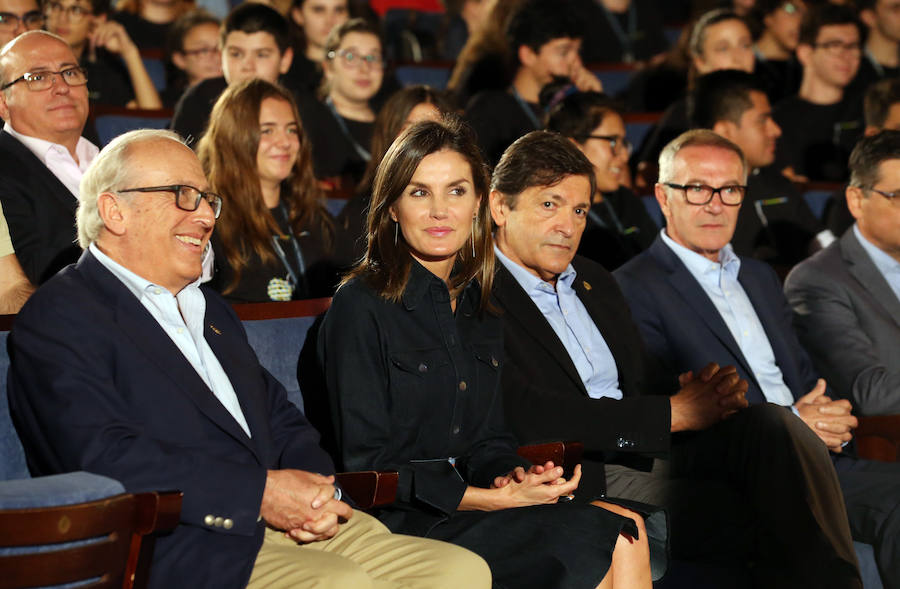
(412, 352)
(274, 242)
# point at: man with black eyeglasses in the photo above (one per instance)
(44, 101)
(822, 122)
(18, 16)
(695, 301)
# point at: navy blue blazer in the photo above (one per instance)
(39, 209)
(683, 329)
(95, 384)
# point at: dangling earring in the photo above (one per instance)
(396, 231)
(473, 237)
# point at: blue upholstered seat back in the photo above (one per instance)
(12, 465)
(277, 343)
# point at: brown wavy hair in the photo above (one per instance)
(386, 264)
(228, 152)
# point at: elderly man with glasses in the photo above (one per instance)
(44, 101)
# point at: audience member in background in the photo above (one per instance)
(18, 16)
(148, 21)
(467, 18)
(255, 43)
(275, 241)
(881, 56)
(340, 125)
(695, 301)
(414, 321)
(112, 62)
(406, 107)
(544, 37)
(882, 111)
(776, 65)
(775, 224)
(846, 299)
(821, 123)
(486, 61)
(628, 31)
(15, 288)
(44, 101)
(311, 22)
(193, 50)
(731, 479)
(656, 87)
(719, 40)
(617, 226)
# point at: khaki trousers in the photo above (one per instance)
(364, 554)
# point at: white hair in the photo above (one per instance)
(108, 173)
(695, 138)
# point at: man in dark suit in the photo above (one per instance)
(123, 366)
(42, 153)
(850, 293)
(732, 480)
(694, 301)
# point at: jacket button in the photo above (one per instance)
(620, 443)
(462, 385)
(219, 521)
(456, 430)
(423, 367)
(494, 362)
(209, 520)
(228, 523)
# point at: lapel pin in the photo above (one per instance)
(587, 285)
(215, 329)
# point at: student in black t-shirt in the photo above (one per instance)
(629, 31)
(821, 123)
(881, 58)
(340, 125)
(311, 22)
(148, 21)
(776, 65)
(255, 43)
(618, 226)
(116, 73)
(274, 239)
(774, 223)
(544, 38)
(882, 110)
(193, 51)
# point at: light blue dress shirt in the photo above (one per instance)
(573, 326)
(888, 266)
(181, 317)
(720, 282)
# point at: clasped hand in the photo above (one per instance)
(831, 420)
(542, 483)
(708, 397)
(302, 504)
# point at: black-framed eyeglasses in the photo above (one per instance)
(41, 80)
(837, 47)
(701, 194)
(187, 198)
(894, 197)
(75, 12)
(202, 52)
(354, 59)
(32, 20)
(616, 142)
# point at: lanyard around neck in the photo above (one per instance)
(625, 40)
(298, 276)
(360, 150)
(526, 108)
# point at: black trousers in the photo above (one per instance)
(757, 487)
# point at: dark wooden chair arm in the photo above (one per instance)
(370, 488)
(155, 513)
(878, 438)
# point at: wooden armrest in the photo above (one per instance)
(878, 437)
(155, 512)
(566, 454)
(370, 488)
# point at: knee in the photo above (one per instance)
(462, 568)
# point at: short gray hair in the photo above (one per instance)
(108, 173)
(695, 138)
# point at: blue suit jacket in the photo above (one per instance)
(683, 329)
(95, 384)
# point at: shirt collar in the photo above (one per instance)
(885, 263)
(84, 149)
(531, 283)
(136, 284)
(699, 265)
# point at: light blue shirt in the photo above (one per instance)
(181, 317)
(720, 282)
(888, 266)
(573, 326)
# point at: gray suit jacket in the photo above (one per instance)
(848, 318)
